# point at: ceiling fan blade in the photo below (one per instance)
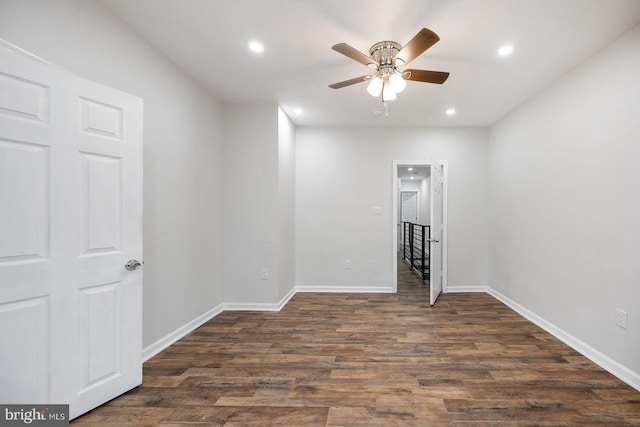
(350, 82)
(418, 44)
(426, 76)
(354, 54)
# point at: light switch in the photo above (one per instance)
(377, 211)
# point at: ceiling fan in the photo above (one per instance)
(385, 57)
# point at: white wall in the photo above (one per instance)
(182, 148)
(342, 173)
(259, 165)
(286, 217)
(424, 215)
(565, 206)
(251, 200)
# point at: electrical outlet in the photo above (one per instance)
(621, 318)
(347, 264)
(264, 274)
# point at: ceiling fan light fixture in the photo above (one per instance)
(388, 94)
(375, 86)
(397, 83)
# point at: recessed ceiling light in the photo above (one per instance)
(411, 178)
(410, 169)
(256, 47)
(505, 50)
(450, 111)
(298, 111)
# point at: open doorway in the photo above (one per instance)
(413, 224)
(413, 197)
(419, 223)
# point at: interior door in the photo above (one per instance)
(408, 211)
(435, 246)
(70, 218)
(410, 206)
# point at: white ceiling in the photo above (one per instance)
(413, 173)
(209, 38)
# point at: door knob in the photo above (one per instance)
(132, 264)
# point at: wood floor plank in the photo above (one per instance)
(370, 360)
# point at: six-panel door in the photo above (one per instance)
(70, 218)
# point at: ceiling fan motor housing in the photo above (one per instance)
(383, 52)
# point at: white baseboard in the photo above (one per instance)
(286, 298)
(345, 289)
(605, 362)
(245, 306)
(164, 342)
(463, 288)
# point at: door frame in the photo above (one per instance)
(394, 219)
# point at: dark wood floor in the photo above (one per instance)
(373, 360)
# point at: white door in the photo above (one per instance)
(409, 206)
(408, 210)
(435, 247)
(70, 217)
